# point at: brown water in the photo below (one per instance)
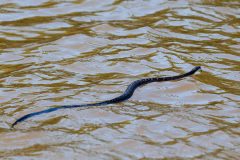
(76, 51)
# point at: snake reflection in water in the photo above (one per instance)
(126, 95)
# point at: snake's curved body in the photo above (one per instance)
(126, 95)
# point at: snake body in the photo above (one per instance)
(126, 95)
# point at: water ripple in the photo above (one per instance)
(75, 52)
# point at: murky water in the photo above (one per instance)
(83, 51)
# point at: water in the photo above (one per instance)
(75, 52)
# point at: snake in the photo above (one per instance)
(125, 96)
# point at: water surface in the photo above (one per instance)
(56, 53)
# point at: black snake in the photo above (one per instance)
(126, 95)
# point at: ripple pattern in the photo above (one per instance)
(75, 52)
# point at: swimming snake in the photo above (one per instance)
(126, 95)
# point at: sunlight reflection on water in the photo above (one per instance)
(75, 52)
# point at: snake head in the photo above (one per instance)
(195, 69)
